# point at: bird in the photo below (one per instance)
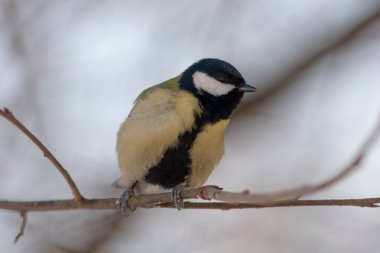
(173, 137)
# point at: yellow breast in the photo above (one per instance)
(206, 152)
(153, 127)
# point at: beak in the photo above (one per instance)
(247, 88)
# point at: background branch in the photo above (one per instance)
(305, 64)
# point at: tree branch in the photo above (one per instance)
(222, 200)
(165, 200)
(341, 174)
(11, 118)
(154, 200)
(355, 162)
(24, 217)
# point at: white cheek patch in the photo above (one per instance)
(204, 82)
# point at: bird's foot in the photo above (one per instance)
(123, 201)
(177, 199)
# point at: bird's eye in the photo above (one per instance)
(223, 78)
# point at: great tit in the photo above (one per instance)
(174, 135)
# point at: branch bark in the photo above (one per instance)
(13, 120)
(165, 200)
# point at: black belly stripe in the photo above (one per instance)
(175, 164)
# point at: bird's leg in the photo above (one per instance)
(123, 200)
(177, 199)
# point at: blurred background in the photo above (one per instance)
(70, 70)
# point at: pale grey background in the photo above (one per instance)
(70, 71)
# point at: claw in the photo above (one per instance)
(123, 201)
(177, 199)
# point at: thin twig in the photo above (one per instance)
(355, 162)
(11, 118)
(297, 192)
(165, 200)
(366, 202)
(24, 216)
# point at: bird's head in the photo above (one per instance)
(214, 77)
